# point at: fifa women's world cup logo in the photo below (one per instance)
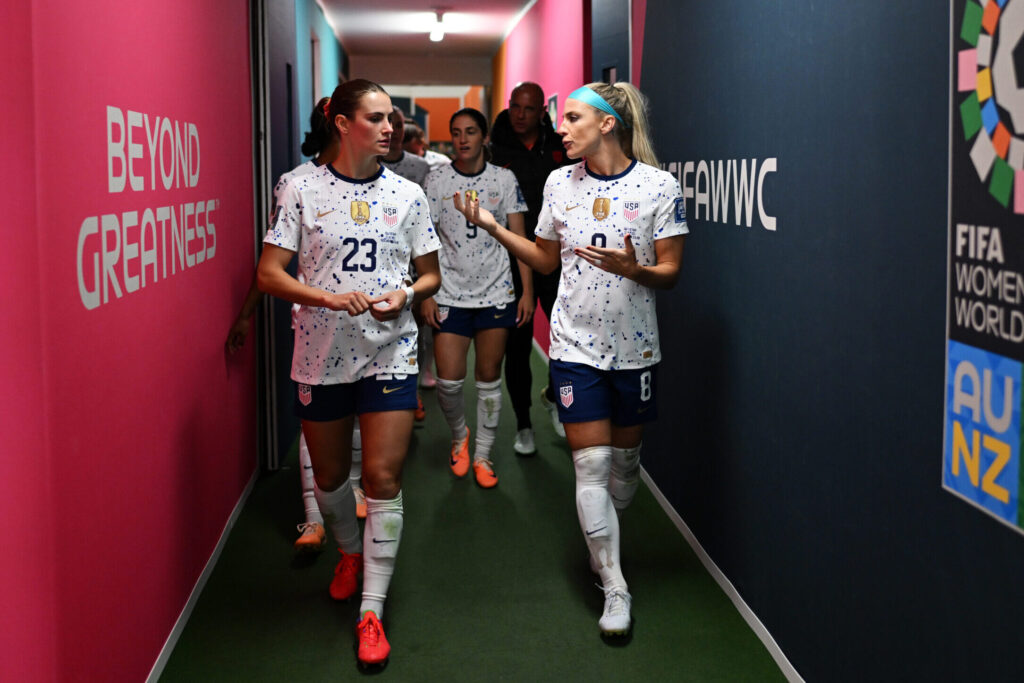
(991, 99)
(602, 208)
(360, 212)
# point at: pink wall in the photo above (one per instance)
(28, 642)
(548, 47)
(135, 434)
(639, 18)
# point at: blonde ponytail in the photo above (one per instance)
(632, 106)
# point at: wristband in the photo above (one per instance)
(409, 294)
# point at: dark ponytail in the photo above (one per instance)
(319, 134)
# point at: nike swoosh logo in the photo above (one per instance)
(386, 540)
(499, 315)
(570, 208)
(321, 214)
(391, 390)
(591, 533)
(642, 410)
(447, 198)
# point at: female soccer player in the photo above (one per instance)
(322, 145)
(476, 302)
(617, 223)
(355, 227)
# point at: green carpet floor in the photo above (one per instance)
(489, 585)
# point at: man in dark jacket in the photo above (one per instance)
(524, 141)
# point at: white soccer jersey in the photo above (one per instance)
(599, 319)
(435, 159)
(353, 235)
(300, 170)
(475, 271)
(410, 167)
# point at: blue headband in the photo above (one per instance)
(588, 96)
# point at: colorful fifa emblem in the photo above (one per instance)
(602, 207)
(360, 212)
(565, 395)
(305, 394)
(390, 215)
(471, 195)
(630, 210)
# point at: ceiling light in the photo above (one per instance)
(437, 32)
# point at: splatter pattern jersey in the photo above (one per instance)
(475, 271)
(599, 319)
(300, 170)
(410, 167)
(352, 235)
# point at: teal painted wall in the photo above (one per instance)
(309, 20)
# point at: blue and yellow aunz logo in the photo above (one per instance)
(981, 459)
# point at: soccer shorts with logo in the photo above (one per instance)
(585, 394)
(377, 393)
(468, 321)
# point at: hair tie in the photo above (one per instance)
(589, 96)
(327, 106)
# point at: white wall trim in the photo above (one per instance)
(759, 629)
(186, 612)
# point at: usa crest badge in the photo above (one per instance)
(305, 394)
(390, 215)
(565, 395)
(630, 210)
(602, 207)
(360, 212)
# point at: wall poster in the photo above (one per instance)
(985, 301)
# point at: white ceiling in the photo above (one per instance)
(473, 28)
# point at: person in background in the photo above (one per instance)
(415, 142)
(524, 141)
(355, 229)
(321, 144)
(616, 222)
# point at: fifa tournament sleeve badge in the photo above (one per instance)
(360, 211)
(602, 207)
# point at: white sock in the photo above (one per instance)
(339, 510)
(313, 515)
(488, 410)
(355, 472)
(380, 547)
(597, 516)
(625, 476)
(453, 405)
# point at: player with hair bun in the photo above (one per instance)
(616, 222)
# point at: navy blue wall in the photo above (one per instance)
(609, 38)
(802, 413)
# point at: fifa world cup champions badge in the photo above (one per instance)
(360, 212)
(985, 253)
(471, 196)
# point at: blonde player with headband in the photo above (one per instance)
(616, 222)
(355, 227)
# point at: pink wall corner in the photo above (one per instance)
(547, 46)
(639, 9)
(27, 611)
(152, 430)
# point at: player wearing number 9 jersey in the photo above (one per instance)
(617, 224)
(355, 228)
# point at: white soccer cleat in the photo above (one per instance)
(616, 620)
(524, 445)
(553, 411)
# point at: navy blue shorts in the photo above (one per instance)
(374, 394)
(585, 394)
(468, 321)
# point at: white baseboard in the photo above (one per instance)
(186, 612)
(759, 629)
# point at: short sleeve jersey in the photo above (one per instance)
(353, 235)
(600, 319)
(435, 159)
(475, 270)
(410, 167)
(300, 170)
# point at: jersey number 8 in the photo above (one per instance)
(645, 386)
